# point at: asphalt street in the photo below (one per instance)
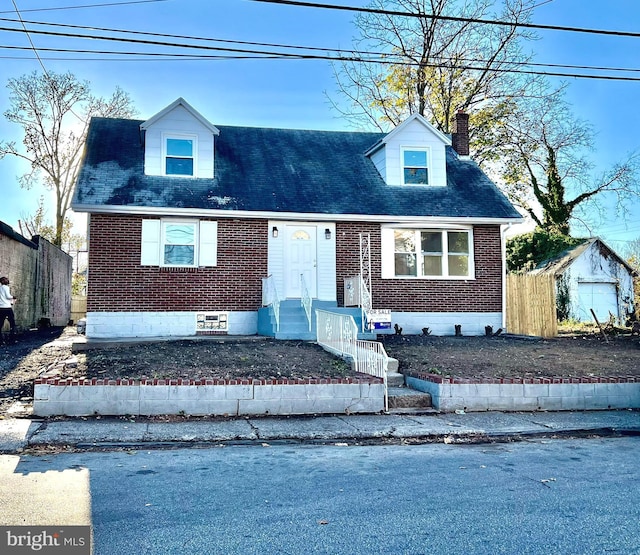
(539, 496)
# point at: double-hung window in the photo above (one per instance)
(432, 253)
(179, 243)
(415, 166)
(179, 156)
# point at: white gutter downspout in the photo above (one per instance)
(503, 232)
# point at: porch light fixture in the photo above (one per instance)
(274, 231)
(327, 233)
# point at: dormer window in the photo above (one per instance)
(179, 157)
(415, 166)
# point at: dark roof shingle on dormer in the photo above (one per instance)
(279, 171)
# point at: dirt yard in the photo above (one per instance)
(501, 357)
(49, 353)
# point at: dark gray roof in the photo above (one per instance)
(278, 170)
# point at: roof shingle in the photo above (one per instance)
(278, 170)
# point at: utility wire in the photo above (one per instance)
(129, 53)
(355, 58)
(187, 37)
(439, 62)
(300, 3)
(26, 32)
(309, 48)
(76, 7)
(35, 51)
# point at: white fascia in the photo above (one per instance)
(296, 216)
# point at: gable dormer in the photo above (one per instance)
(179, 142)
(411, 155)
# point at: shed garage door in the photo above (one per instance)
(602, 297)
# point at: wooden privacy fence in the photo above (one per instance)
(78, 307)
(531, 305)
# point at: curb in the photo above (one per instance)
(20, 435)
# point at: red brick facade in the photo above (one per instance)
(483, 294)
(118, 283)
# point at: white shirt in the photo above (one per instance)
(6, 298)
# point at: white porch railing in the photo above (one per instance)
(270, 298)
(338, 334)
(305, 299)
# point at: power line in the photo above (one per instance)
(159, 58)
(300, 3)
(26, 32)
(129, 53)
(354, 58)
(188, 37)
(103, 5)
(312, 48)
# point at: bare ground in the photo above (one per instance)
(49, 353)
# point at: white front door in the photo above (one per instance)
(300, 259)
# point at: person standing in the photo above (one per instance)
(6, 306)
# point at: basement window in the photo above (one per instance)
(211, 323)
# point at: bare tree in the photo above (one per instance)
(54, 110)
(547, 163)
(436, 67)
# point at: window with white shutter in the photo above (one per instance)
(179, 243)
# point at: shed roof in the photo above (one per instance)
(559, 264)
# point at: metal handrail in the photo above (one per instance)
(305, 299)
(270, 298)
(338, 333)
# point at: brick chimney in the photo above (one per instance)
(460, 133)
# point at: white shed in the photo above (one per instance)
(592, 276)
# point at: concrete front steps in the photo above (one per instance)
(407, 400)
(294, 324)
(403, 399)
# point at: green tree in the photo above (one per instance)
(547, 166)
(436, 67)
(526, 251)
(54, 110)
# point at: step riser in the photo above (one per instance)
(417, 402)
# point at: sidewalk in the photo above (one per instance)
(17, 435)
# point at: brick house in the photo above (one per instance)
(196, 228)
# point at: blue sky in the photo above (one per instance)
(291, 93)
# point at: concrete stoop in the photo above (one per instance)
(405, 399)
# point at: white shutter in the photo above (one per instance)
(387, 258)
(208, 243)
(150, 244)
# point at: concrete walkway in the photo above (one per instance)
(16, 435)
